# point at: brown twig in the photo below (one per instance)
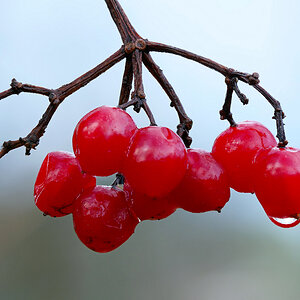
(126, 30)
(240, 95)
(278, 115)
(70, 88)
(18, 87)
(251, 79)
(136, 50)
(225, 112)
(185, 122)
(126, 82)
(56, 97)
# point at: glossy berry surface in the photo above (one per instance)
(101, 138)
(58, 183)
(102, 219)
(149, 208)
(205, 185)
(155, 162)
(235, 149)
(277, 181)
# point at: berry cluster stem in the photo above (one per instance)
(137, 50)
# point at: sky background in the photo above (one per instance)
(238, 254)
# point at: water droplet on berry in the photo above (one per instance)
(285, 222)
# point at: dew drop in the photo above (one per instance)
(285, 222)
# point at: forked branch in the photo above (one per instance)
(136, 50)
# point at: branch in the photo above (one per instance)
(251, 79)
(68, 89)
(18, 87)
(245, 77)
(126, 30)
(138, 95)
(240, 95)
(225, 113)
(278, 115)
(32, 139)
(185, 122)
(138, 77)
(56, 97)
(126, 82)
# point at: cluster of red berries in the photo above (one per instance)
(161, 175)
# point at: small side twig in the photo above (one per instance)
(240, 95)
(278, 115)
(225, 112)
(56, 97)
(18, 87)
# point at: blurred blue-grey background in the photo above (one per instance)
(238, 254)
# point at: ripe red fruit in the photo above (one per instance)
(277, 182)
(102, 219)
(155, 162)
(59, 182)
(149, 208)
(235, 149)
(204, 186)
(101, 138)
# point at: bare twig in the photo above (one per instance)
(136, 50)
(225, 113)
(70, 88)
(185, 122)
(56, 97)
(126, 82)
(18, 87)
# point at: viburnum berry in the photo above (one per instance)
(156, 161)
(59, 182)
(235, 149)
(102, 219)
(101, 138)
(204, 186)
(149, 208)
(277, 181)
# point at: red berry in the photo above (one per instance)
(149, 208)
(277, 182)
(102, 219)
(204, 186)
(59, 182)
(235, 149)
(156, 161)
(89, 182)
(101, 139)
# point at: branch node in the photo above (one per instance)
(138, 104)
(183, 131)
(7, 145)
(141, 94)
(253, 79)
(16, 86)
(54, 99)
(140, 44)
(31, 142)
(52, 96)
(129, 47)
